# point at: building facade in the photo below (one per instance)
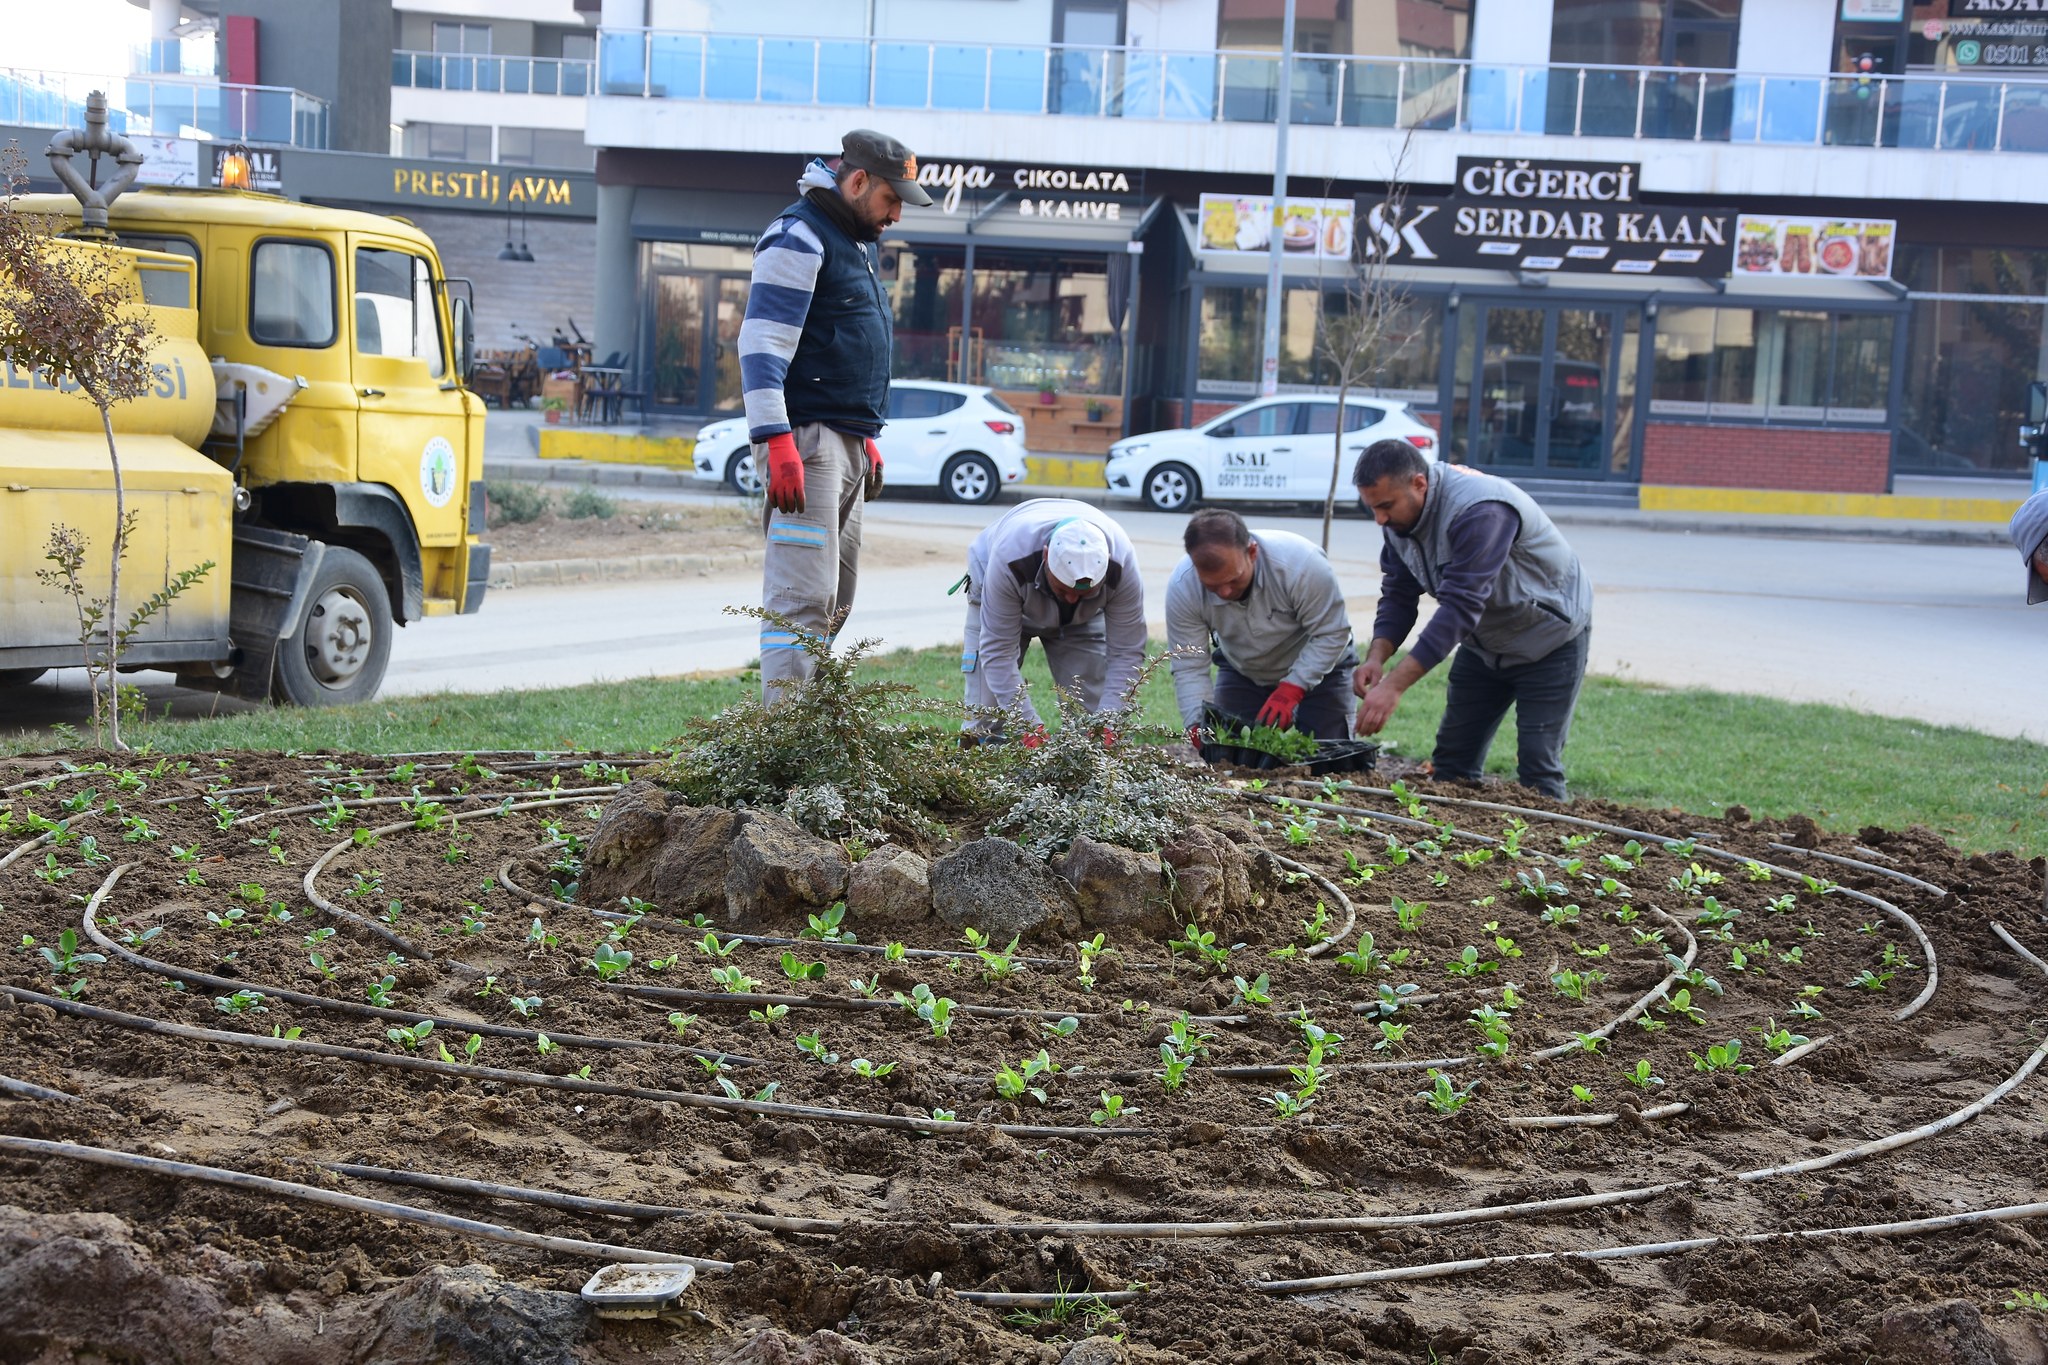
(1858, 291)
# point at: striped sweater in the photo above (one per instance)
(786, 262)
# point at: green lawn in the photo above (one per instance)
(1639, 745)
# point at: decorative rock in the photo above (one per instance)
(1117, 887)
(777, 872)
(1952, 1333)
(1211, 874)
(996, 887)
(653, 847)
(892, 885)
(1096, 1351)
(468, 1314)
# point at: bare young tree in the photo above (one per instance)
(69, 312)
(1356, 342)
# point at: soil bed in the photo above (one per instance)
(851, 1240)
(725, 527)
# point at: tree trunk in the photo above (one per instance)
(114, 587)
(1336, 457)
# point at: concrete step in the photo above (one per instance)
(1582, 493)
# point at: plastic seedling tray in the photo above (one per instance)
(638, 1291)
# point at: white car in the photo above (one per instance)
(961, 439)
(1274, 450)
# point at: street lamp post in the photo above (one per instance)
(1269, 378)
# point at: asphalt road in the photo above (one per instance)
(1929, 632)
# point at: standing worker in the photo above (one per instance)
(815, 353)
(2030, 538)
(1512, 599)
(1064, 574)
(1269, 603)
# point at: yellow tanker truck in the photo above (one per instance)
(308, 431)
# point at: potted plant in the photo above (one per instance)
(551, 410)
(1047, 397)
(1097, 409)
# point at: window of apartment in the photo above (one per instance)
(579, 47)
(545, 147)
(448, 141)
(462, 39)
(1690, 33)
(1784, 365)
(1412, 28)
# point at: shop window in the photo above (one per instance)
(291, 294)
(1784, 365)
(1034, 321)
(1968, 365)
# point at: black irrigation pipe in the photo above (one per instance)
(439, 798)
(29, 1091)
(575, 1203)
(313, 1194)
(686, 1099)
(1861, 866)
(683, 996)
(155, 967)
(1728, 855)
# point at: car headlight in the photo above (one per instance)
(1126, 452)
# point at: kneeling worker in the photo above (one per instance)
(1512, 599)
(1063, 573)
(1269, 603)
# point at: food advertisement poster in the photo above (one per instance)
(1243, 226)
(1845, 248)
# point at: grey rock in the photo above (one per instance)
(466, 1315)
(76, 1284)
(776, 872)
(1951, 1333)
(655, 847)
(996, 887)
(1118, 888)
(892, 886)
(1211, 874)
(1096, 1351)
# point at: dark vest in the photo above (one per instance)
(840, 373)
(1542, 597)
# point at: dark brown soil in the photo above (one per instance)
(120, 1265)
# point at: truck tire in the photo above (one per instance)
(19, 677)
(343, 641)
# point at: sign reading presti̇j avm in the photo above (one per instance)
(1553, 216)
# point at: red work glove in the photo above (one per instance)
(1034, 738)
(785, 474)
(1279, 708)
(874, 470)
(1108, 738)
(1194, 736)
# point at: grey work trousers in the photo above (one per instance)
(1078, 656)
(812, 561)
(1543, 694)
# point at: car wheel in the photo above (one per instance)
(740, 475)
(969, 478)
(343, 640)
(1171, 488)
(20, 677)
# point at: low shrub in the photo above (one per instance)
(512, 504)
(585, 501)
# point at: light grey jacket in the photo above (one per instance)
(1006, 575)
(1290, 625)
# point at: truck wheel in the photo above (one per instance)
(338, 653)
(19, 677)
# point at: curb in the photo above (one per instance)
(554, 572)
(1879, 532)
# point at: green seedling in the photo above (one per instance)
(812, 1045)
(1777, 1040)
(1112, 1109)
(712, 946)
(1027, 1078)
(2026, 1300)
(1288, 1106)
(1088, 952)
(1392, 1035)
(1468, 964)
(379, 992)
(1601, 950)
(1504, 946)
(1173, 1073)
(140, 938)
(609, 962)
(1721, 1057)
(525, 1006)
(935, 1010)
(1443, 1096)
(66, 958)
(1819, 886)
(410, 1037)
(545, 1045)
(279, 1031)
(895, 951)
(52, 871)
(1560, 916)
(1364, 959)
(1202, 943)
(1063, 1028)
(1408, 914)
(393, 912)
(1574, 985)
(1679, 1003)
(1584, 1095)
(1316, 927)
(1258, 992)
(1391, 998)
(326, 969)
(1867, 980)
(1187, 1040)
(1588, 1042)
(1895, 960)
(1712, 913)
(241, 1002)
(867, 989)
(997, 964)
(1641, 1077)
(796, 969)
(733, 980)
(233, 917)
(871, 1071)
(828, 925)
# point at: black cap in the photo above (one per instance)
(863, 149)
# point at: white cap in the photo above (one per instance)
(1077, 554)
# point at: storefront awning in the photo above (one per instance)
(704, 216)
(1100, 225)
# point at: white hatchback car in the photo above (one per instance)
(1274, 450)
(961, 439)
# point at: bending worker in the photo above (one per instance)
(1512, 599)
(1269, 603)
(1064, 574)
(815, 352)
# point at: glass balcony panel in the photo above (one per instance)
(1852, 111)
(1016, 80)
(788, 69)
(959, 76)
(622, 62)
(1911, 110)
(843, 73)
(2026, 118)
(1190, 88)
(1249, 86)
(1083, 81)
(1371, 94)
(1429, 95)
(528, 78)
(1490, 97)
(1791, 109)
(902, 75)
(734, 69)
(1141, 93)
(1315, 82)
(572, 79)
(1969, 122)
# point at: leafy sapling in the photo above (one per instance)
(1443, 1096)
(1113, 1108)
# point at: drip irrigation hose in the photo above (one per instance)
(361, 802)
(45, 837)
(201, 796)
(28, 1091)
(1913, 1007)
(988, 1298)
(464, 1071)
(575, 1203)
(2017, 946)
(313, 1194)
(172, 971)
(2008, 1213)
(683, 996)
(1860, 865)
(1652, 1115)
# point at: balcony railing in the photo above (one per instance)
(1925, 112)
(168, 106)
(492, 75)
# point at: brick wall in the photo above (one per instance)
(1804, 458)
(512, 297)
(1174, 412)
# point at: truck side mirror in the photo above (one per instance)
(465, 336)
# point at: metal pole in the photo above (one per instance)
(1642, 88)
(1458, 117)
(1883, 89)
(1269, 380)
(1579, 106)
(1940, 114)
(1699, 110)
(1998, 137)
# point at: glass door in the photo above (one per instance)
(1544, 383)
(695, 325)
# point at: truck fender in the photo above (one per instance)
(367, 517)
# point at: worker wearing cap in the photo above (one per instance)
(1064, 574)
(2030, 538)
(1269, 604)
(815, 352)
